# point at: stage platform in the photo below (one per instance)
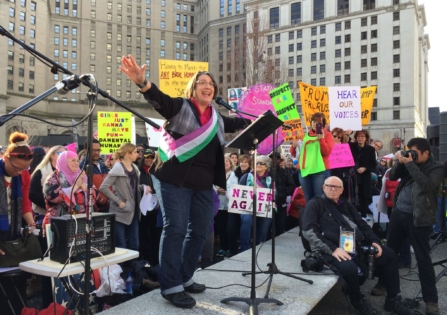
(298, 297)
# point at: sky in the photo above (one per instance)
(437, 65)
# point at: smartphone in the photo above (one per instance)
(319, 128)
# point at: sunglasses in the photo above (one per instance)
(338, 137)
(260, 163)
(23, 156)
(139, 151)
(383, 161)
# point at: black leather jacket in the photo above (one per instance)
(427, 178)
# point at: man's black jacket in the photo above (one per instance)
(322, 230)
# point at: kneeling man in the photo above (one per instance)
(333, 227)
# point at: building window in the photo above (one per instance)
(322, 42)
(396, 114)
(277, 50)
(363, 63)
(347, 78)
(396, 16)
(274, 18)
(277, 37)
(396, 30)
(291, 46)
(374, 20)
(33, 19)
(10, 70)
(322, 81)
(295, 13)
(313, 31)
(364, 49)
(364, 22)
(374, 75)
(322, 55)
(318, 10)
(342, 7)
(375, 101)
(10, 85)
(369, 5)
(337, 79)
(313, 82)
(299, 59)
(396, 44)
(396, 87)
(31, 88)
(337, 53)
(337, 39)
(313, 69)
(347, 25)
(313, 44)
(396, 73)
(347, 38)
(313, 57)
(337, 26)
(56, 53)
(22, 16)
(373, 116)
(337, 66)
(373, 47)
(11, 26)
(299, 34)
(299, 46)
(347, 51)
(21, 87)
(33, 6)
(291, 73)
(396, 58)
(22, 30)
(374, 34)
(363, 76)
(363, 35)
(322, 68)
(374, 61)
(347, 65)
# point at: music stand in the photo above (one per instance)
(249, 139)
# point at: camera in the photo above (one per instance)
(370, 251)
(313, 262)
(408, 153)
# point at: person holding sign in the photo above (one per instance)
(190, 161)
(262, 224)
(314, 157)
(365, 163)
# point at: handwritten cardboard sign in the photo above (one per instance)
(114, 129)
(292, 130)
(345, 111)
(241, 200)
(341, 156)
(175, 75)
(234, 96)
(316, 99)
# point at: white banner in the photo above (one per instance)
(344, 106)
(153, 135)
(241, 201)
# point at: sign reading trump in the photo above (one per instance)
(241, 200)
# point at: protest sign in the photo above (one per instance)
(341, 156)
(114, 129)
(241, 200)
(345, 111)
(283, 103)
(175, 75)
(234, 96)
(256, 101)
(316, 99)
(285, 150)
(292, 130)
(153, 135)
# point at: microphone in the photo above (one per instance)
(221, 102)
(70, 83)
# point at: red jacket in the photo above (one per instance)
(390, 188)
(26, 203)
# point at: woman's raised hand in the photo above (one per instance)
(132, 70)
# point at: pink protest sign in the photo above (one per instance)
(256, 100)
(341, 156)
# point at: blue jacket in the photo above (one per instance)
(102, 169)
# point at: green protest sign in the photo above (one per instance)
(283, 103)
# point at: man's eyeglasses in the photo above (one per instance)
(338, 137)
(378, 146)
(17, 169)
(205, 83)
(261, 163)
(139, 151)
(23, 156)
(96, 150)
(333, 186)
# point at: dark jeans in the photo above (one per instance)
(233, 228)
(126, 236)
(386, 270)
(149, 237)
(401, 226)
(187, 218)
(221, 220)
(280, 220)
(364, 202)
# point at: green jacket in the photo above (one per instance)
(427, 178)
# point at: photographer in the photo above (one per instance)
(322, 222)
(414, 210)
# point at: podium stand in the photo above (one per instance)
(257, 132)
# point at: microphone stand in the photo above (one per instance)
(91, 96)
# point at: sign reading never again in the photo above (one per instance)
(175, 75)
(316, 99)
(114, 129)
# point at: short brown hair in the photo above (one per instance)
(339, 132)
(319, 116)
(245, 157)
(191, 86)
(364, 132)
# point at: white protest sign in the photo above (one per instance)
(153, 135)
(374, 209)
(285, 150)
(241, 201)
(345, 108)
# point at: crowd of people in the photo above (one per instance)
(192, 178)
